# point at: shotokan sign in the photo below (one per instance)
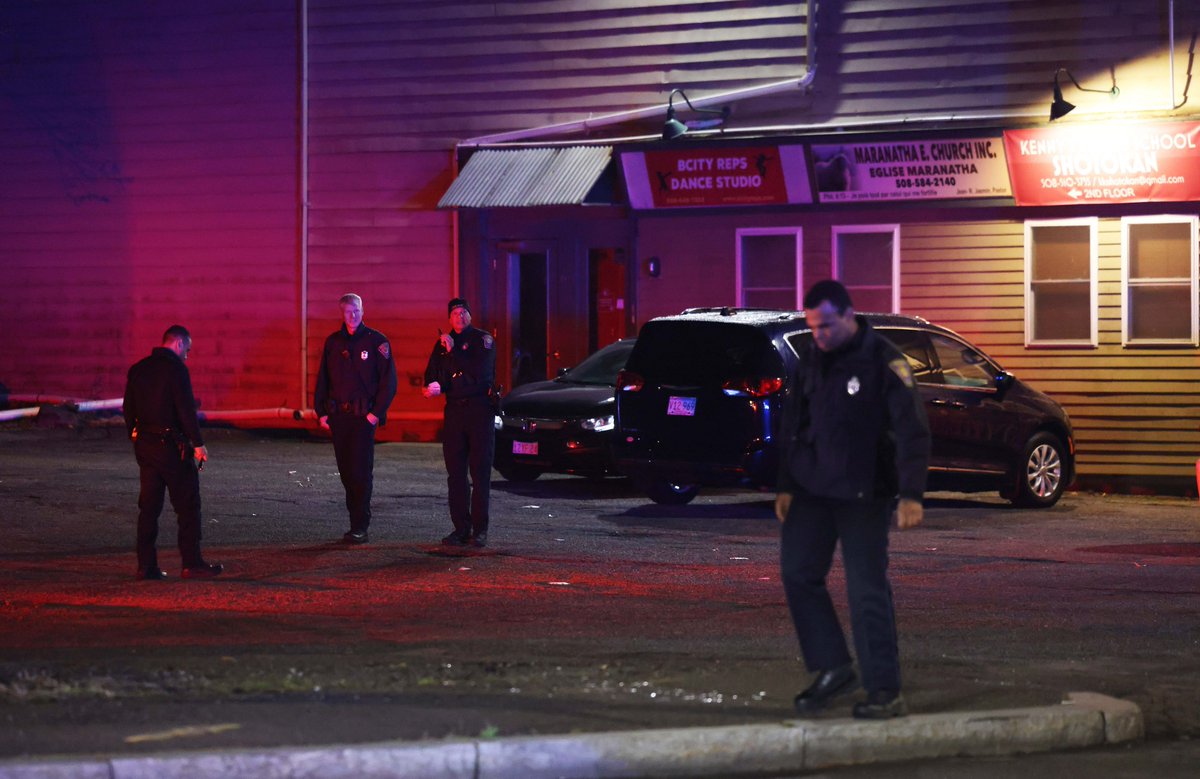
(1104, 164)
(717, 176)
(910, 170)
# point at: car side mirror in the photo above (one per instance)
(1004, 380)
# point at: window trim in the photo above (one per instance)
(795, 232)
(1093, 225)
(894, 229)
(1126, 283)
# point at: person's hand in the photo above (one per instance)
(783, 503)
(432, 389)
(447, 343)
(201, 455)
(374, 420)
(909, 513)
(325, 421)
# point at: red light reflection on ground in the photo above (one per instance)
(331, 595)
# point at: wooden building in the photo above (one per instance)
(236, 166)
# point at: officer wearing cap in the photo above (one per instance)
(854, 438)
(160, 417)
(462, 368)
(355, 385)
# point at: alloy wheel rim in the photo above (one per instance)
(1044, 470)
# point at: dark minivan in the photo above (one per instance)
(699, 404)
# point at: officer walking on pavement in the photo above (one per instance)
(355, 385)
(160, 417)
(462, 367)
(855, 437)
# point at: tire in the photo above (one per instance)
(669, 494)
(519, 473)
(1041, 474)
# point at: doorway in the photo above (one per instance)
(529, 314)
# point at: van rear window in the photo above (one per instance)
(702, 353)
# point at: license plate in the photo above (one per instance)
(521, 447)
(681, 407)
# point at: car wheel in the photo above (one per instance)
(1041, 473)
(519, 473)
(669, 494)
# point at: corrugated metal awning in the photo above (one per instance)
(497, 178)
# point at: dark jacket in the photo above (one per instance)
(854, 424)
(357, 374)
(159, 399)
(469, 369)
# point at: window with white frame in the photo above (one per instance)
(1060, 282)
(769, 271)
(1159, 280)
(866, 259)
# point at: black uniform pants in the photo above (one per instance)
(165, 467)
(354, 450)
(812, 530)
(468, 446)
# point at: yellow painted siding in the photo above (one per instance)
(1136, 411)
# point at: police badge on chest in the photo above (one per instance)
(853, 386)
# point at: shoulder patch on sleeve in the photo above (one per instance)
(488, 341)
(386, 350)
(901, 368)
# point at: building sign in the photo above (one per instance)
(910, 170)
(716, 176)
(1104, 164)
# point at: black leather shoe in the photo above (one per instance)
(153, 574)
(479, 540)
(203, 571)
(356, 537)
(881, 704)
(827, 686)
(455, 539)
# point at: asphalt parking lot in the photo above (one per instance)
(592, 610)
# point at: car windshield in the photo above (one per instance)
(601, 367)
(703, 353)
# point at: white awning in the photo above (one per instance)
(499, 178)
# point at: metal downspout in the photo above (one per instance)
(303, 184)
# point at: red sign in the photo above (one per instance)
(717, 176)
(1104, 164)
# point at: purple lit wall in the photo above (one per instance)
(150, 177)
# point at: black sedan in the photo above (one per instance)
(564, 425)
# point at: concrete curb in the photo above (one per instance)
(1083, 720)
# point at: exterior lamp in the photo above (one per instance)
(1059, 107)
(673, 128)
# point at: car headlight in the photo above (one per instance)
(498, 422)
(599, 424)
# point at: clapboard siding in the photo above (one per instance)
(1135, 410)
(394, 86)
(150, 178)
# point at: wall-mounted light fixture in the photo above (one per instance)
(1060, 108)
(675, 128)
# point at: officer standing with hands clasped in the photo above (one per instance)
(355, 385)
(160, 417)
(855, 436)
(462, 367)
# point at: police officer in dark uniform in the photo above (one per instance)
(160, 417)
(855, 437)
(462, 367)
(355, 385)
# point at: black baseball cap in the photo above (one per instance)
(457, 303)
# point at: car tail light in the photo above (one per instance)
(628, 381)
(754, 386)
